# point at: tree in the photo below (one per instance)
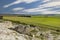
(1, 17)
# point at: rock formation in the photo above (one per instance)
(13, 31)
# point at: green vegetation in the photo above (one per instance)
(47, 22)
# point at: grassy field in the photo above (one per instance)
(49, 22)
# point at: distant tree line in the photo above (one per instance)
(24, 16)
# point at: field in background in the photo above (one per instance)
(48, 22)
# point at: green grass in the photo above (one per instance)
(52, 22)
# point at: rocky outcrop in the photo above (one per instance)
(7, 34)
(13, 31)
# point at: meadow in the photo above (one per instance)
(47, 22)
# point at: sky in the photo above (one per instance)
(30, 6)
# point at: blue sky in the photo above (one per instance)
(30, 6)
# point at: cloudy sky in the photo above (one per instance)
(30, 6)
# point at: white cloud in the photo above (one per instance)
(46, 0)
(17, 9)
(17, 2)
(43, 11)
(50, 12)
(29, 1)
(51, 4)
(40, 9)
(34, 10)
